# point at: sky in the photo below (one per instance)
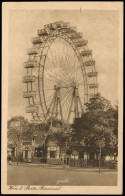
(100, 28)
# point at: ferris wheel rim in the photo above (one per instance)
(78, 56)
(46, 55)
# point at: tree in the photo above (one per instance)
(19, 129)
(20, 126)
(99, 121)
(62, 136)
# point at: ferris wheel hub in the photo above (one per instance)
(56, 87)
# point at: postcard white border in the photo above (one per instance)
(6, 6)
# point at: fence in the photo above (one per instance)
(93, 163)
(73, 162)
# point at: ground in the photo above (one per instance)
(26, 174)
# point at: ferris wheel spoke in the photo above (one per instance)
(59, 48)
(63, 52)
(55, 56)
(70, 58)
(63, 101)
(53, 64)
(49, 96)
(54, 79)
(66, 96)
(63, 78)
(50, 105)
(54, 69)
(66, 108)
(59, 61)
(76, 66)
(64, 57)
(69, 107)
(79, 80)
(70, 63)
(73, 67)
(49, 75)
(52, 89)
(49, 79)
(48, 100)
(66, 64)
(66, 72)
(65, 67)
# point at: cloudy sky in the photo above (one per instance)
(100, 28)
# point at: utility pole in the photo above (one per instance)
(100, 144)
(66, 152)
(17, 147)
(100, 160)
(18, 141)
(44, 144)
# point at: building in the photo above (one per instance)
(42, 149)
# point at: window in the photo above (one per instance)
(91, 156)
(26, 154)
(52, 154)
(68, 152)
(38, 152)
(81, 155)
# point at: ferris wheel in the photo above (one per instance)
(60, 74)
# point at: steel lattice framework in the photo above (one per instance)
(61, 75)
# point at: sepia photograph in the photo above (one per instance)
(62, 104)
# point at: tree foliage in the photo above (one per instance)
(20, 129)
(99, 122)
(17, 127)
(62, 136)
